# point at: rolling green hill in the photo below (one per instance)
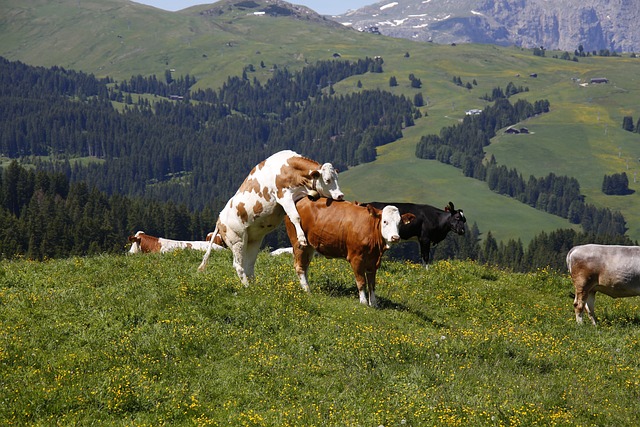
(581, 137)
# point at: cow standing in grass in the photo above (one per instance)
(340, 229)
(611, 269)
(264, 198)
(430, 225)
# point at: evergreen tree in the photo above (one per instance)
(627, 123)
(418, 101)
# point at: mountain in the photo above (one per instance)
(120, 38)
(558, 24)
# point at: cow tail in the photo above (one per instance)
(205, 259)
(569, 262)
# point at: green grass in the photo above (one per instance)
(147, 340)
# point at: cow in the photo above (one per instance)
(611, 269)
(142, 242)
(341, 229)
(267, 194)
(281, 251)
(430, 226)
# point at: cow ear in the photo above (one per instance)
(314, 173)
(407, 218)
(450, 208)
(372, 211)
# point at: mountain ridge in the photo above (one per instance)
(559, 25)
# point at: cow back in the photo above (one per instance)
(338, 228)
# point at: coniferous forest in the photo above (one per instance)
(99, 160)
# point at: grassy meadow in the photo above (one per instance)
(149, 341)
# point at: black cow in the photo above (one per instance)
(431, 225)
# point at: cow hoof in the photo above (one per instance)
(302, 243)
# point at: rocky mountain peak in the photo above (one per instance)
(554, 24)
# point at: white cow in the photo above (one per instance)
(142, 242)
(266, 195)
(610, 269)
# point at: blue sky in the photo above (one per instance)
(323, 7)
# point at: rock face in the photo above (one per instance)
(555, 24)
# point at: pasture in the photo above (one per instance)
(148, 340)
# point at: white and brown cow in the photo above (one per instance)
(611, 269)
(340, 229)
(266, 195)
(142, 242)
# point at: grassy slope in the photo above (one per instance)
(127, 38)
(147, 340)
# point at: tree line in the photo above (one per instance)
(192, 153)
(44, 215)
(462, 146)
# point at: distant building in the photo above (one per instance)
(473, 112)
(599, 80)
(514, 131)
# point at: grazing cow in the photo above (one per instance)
(611, 269)
(142, 242)
(430, 226)
(266, 195)
(340, 229)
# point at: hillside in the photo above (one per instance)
(147, 340)
(213, 47)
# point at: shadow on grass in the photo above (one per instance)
(342, 290)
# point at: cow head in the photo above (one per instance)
(389, 223)
(325, 183)
(457, 219)
(135, 243)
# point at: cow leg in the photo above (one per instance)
(238, 262)
(302, 259)
(371, 287)
(590, 306)
(425, 252)
(585, 298)
(361, 283)
(289, 207)
(250, 257)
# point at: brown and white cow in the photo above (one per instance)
(611, 269)
(340, 229)
(142, 242)
(266, 195)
